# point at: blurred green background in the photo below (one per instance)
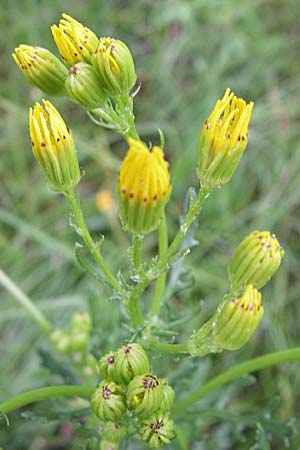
(186, 54)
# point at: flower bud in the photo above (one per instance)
(238, 320)
(113, 432)
(41, 68)
(115, 67)
(144, 187)
(53, 147)
(255, 260)
(157, 430)
(108, 402)
(223, 140)
(81, 321)
(144, 395)
(61, 341)
(83, 86)
(106, 366)
(169, 395)
(74, 41)
(90, 367)
(131, 360)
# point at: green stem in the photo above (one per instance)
(162, 264)
(249, 366)
(94, 249)
(184, 227)
(161, 280)
(165, 347)
(25, 302)
(43, 393)
(137, 243)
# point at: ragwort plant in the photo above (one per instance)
(128, 399)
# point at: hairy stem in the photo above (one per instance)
(137, 243)
(43, 393)
(249, 366)
(94, 249)
(26, 303)
(161, 280)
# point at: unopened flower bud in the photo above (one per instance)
(81, 321)
(83, 86)
(223, 140)
(157, 430)
(115, 67)
(144, 187)
(74, 41)
(238, 320)
(255, 260)
(131, 360)
(107, 402)
(144, 395)
(53, 147)
(41, 68)
(113, 432)
(106, 366)
(61, 341)
(169, 395)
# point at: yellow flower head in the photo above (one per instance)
(144, 187)
(238, 319)
(74, 41)
(223, 140)
(41, 68)
(114, 64)
(53, 147)
(255, 260)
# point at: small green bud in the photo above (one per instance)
(113, 432)
(157, 430)
(169, 395)
(131, 360)
(42, 69)
(107, 402)
(255, 260)
(81, 321)
(115, 67)
(83, 86)
(106, 367)
(144, 395)
(90, 367)
(237, 320)
(61, 341)
(92, 444)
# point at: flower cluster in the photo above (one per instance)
(96, 68)
(252, 265)
(130, 390)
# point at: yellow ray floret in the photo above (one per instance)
(144, 174)
(74, 41)
(228, 123)
(144, 187)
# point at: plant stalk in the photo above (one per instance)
(249, 366)
(94, 249)
(26, 303)
(36, 395)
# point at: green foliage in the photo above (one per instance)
(186, 54)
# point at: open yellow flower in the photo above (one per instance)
(144, 187)
(53, 147)
(74, 41)
(223, 140)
